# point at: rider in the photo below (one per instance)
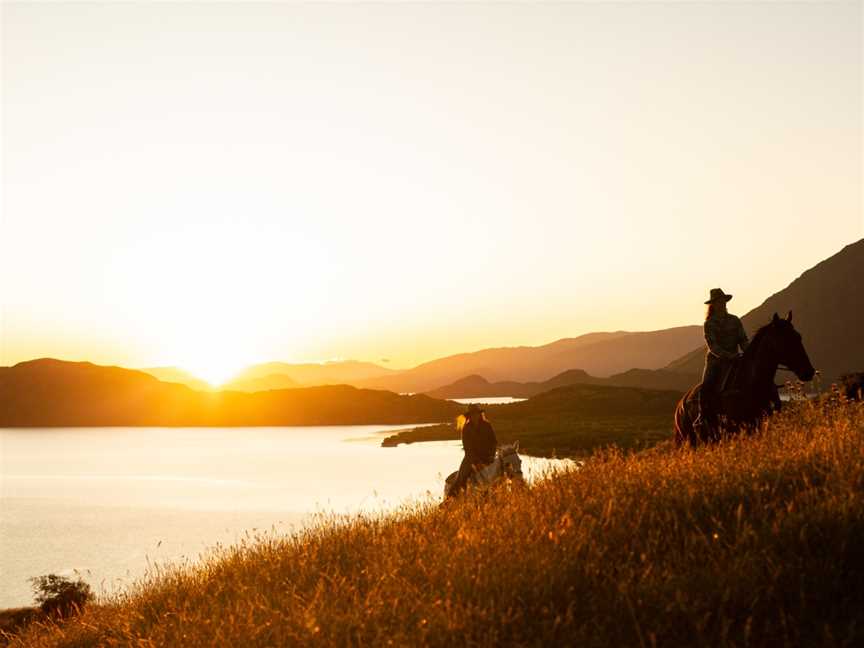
(479, 443)
(724, 333)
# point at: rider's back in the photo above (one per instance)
(479, 442)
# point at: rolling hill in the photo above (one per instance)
(827, 302)
(52, 393)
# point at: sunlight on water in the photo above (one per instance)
(105, 501)
(488, 400)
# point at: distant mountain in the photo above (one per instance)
(599, 354)
(827, 302)
(478, 387)
(343, 372)
(263, 383)
(175, 375)
(48, 393)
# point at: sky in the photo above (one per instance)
(212, 185)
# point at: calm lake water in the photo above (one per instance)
(488, 400)
(104, 502)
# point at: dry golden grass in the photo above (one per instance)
(757, 541)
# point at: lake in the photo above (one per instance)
(105, 502)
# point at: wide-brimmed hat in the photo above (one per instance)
(717, 295)
(474, 408)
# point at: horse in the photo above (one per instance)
(750, 393)
(506, 465)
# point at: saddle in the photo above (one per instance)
(727, 382)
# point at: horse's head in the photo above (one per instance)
(511, 464)
(788, 347)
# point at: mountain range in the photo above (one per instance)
(605, 354)
(598, 354)
(47, 392)
(826, 300)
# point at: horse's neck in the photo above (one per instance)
(758, 368)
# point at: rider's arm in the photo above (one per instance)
(743, 342)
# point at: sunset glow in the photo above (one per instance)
(346, 182)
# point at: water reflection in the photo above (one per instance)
(105, 501)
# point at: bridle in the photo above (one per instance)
(507, 467)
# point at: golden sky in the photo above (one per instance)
(210, 185)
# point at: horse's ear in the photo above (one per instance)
(789, 317)
(775, 319)
(516, 446)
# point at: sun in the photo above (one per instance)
(219, 297)
(214, 371)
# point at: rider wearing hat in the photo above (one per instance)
(724, 333)
(479, 443)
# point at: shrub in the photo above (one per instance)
(59, 595)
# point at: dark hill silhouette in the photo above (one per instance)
(589, 401)
(653, 379)
(599, 354)
(478, 387)
(50, 392)
(828, 306)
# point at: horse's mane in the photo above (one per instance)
(760, 335)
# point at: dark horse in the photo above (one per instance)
(750, 393)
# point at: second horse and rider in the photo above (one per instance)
(745, 380)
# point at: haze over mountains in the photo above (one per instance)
(176, 375)
(282, 375)
(603, 355)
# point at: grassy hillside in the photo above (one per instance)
(571, 421)
(753, 542)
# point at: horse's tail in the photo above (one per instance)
(684, 432)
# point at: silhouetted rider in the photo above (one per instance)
(724, 333)
(479, 443)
